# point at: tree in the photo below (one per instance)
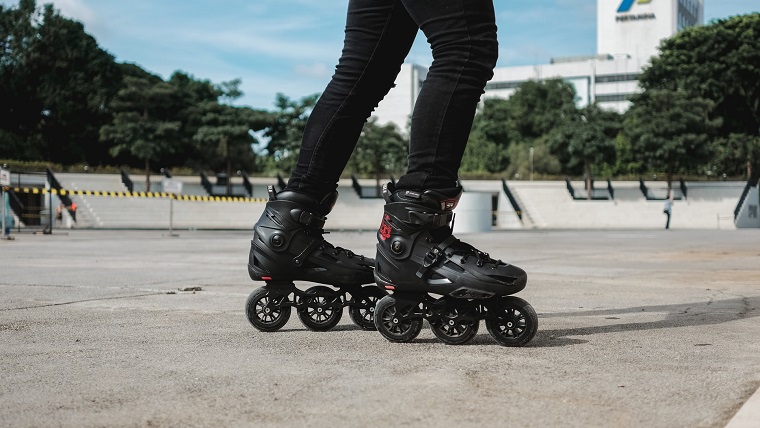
(585, 139)
(737, 153)
(537, 107)
(228, 128)
(489, 139)
(482, 155)
(142, 125)
(286, 130)
(54, 82)
(19, 109)
(671, 130)
(503, 129)
(381, 150)
(718, 62)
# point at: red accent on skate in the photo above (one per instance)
(266, 278)
(449, 204)
(385, 230)
(390, 287)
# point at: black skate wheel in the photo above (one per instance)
(452, 330)
(266, 313)
(392, 327)
(512, 321)
(363, 314)
(321, 308)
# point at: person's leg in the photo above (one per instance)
(288, 242)
(462, 34)
(378, 36)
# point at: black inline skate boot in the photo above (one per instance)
(419, 257)
(288, 246)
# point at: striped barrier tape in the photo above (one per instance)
(64, 192)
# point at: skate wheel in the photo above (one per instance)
(321, 308)
(264, 312)
(512, 321)
(452, 330)
(392, 327)
(363, 314)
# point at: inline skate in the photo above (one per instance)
(436, 277)
(287, 246)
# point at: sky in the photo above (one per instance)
(292, 46)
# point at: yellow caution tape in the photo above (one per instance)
(111, 194)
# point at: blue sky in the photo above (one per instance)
(291, 46)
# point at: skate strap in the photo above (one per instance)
(299, 259)
(434, 219)
(308, 218)
(434, 255)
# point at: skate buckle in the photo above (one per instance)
(432, 256)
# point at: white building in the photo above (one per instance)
(628, 34)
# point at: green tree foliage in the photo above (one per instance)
(52, 76)
(490, 136)
(143, 124)
(521, 165)
(227, 130)
(285, 132)
(586, 138)
(189, 94)
(718, 62)
(736, 154)
(671, 130)
(505, 129)
(538, 107)
(483, 156)
(380, 151)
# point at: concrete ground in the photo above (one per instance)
(636, 328)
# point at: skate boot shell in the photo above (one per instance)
(435, 276)
(288, 245)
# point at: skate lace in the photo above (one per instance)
(326, 246)
(482, 258)
(468, 251)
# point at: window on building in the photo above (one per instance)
(503, 85)
(610, 78)
(613, 98)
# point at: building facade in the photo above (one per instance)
(628, 35)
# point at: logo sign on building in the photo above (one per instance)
(626, 5)
(5, 177)
(172, 186)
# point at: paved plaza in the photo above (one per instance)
(137, 328)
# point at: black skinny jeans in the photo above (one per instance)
(378, 36)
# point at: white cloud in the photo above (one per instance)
(318, 70)
(78, 10)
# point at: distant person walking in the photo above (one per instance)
(10, 220)
(73, 211)
(668, 209)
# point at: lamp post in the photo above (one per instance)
(531, 163)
